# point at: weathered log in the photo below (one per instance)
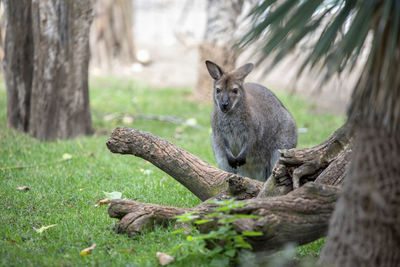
(206, 181)
(299, 217)
(324, 163)
(202, 179)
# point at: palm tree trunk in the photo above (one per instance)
(365, 227)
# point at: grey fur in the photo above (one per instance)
(249, 124)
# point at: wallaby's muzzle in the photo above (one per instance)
(224, 104)
(224, 107)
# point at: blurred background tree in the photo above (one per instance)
(112, 39)
(48, 93)
(46, 67)
(365, 227)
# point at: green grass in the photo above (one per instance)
(64, 192)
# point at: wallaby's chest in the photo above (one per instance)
(234, 132)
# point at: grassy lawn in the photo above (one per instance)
(63, 192)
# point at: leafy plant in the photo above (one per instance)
(222, 244)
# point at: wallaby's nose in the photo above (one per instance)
(224, 106)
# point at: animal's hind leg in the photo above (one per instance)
(272, 161)
(254, 171)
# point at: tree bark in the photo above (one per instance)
(60, 95)
(18, 62)
(365, 227)
(46, 67)
(324, 163)
(299, 216)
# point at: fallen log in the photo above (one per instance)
(202, 179)
(324, 163)
(292, 208)
(298, 217)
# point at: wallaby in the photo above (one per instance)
(249, 124)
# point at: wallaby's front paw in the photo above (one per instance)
(240, 161)
(232, 162)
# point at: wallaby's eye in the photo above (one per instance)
(235, 91)
(218, 90)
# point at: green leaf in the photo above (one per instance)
(172, 250)
(43, 228)
(203, 221)
(223, 208)
(238, 204)
(252, 233)
(216, 250)
(246, 216)
(239, 242)
(66, 156)
(211, 215)
(186, 217)
(113, 195)
(230, 253)
(245, 245)
(178, 231)
(210, 235)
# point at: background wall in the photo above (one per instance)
(169, 31)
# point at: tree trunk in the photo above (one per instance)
(2, 31)
(300, 216)
(18, 62)
(111, 37)
(218, 43)
(60, 95)
(46, 67)
(365, 227)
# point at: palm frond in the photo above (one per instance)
(339, 31)
(280, 27)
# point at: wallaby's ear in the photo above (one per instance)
(215, 71)
(243, 71)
